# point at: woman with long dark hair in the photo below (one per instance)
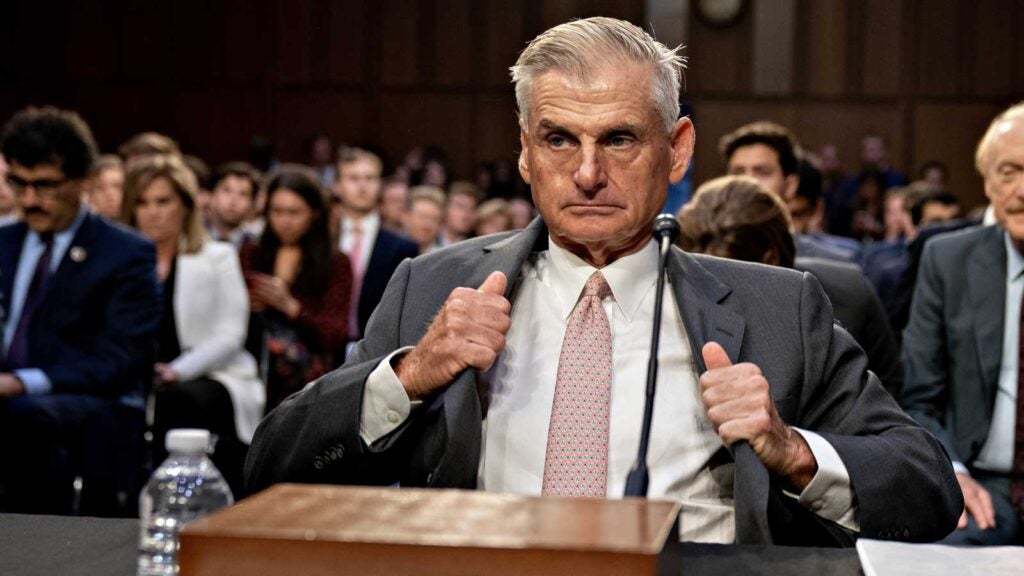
(300, 285)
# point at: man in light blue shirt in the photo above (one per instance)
(79, 311)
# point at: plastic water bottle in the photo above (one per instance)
(185, 487)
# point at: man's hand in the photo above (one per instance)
(163, 374)
(739, 405)
(469, 332)
(977, 503)
(10, 386)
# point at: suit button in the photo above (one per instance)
(817, 505)
(906, 533)
(393, 417)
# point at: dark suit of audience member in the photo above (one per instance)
(203, 377)
(79, 310)
(389, 250)
(858, 310)
(736, 217)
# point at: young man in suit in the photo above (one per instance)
(514, 363)
(79, 311)
(963, 346)
(374, 251)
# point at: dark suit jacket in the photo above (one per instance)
(95, 331)
(777, 318)
(858, 310)
(388, 252)
(953, 344)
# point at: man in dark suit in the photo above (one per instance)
(79, 310)
(458, 386)
(736, 217)
(374, 251)
(963, 345)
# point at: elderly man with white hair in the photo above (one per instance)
(513, 362)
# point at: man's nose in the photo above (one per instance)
(590, 175)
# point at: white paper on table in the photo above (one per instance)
(881, 558)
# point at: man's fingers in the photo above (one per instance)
(495, 284)
(715, 356)
(962, 523)
(986, 514)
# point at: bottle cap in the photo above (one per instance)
(191, 440)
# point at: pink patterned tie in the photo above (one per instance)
(576, 462)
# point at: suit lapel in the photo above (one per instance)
(699, 295)
(986, 269)
(9, 256)
(76, 257)
(465, 399)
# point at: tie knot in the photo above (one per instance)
(46, 237)
(597, 286)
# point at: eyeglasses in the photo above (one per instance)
(44, 188)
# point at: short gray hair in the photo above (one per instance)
(1011, 115)
(575, 47)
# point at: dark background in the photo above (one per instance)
(393, 74)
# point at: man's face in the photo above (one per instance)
(938, 212)
(761, 162)
(49, 202)
(358, 185)
(392, 203)
(1004, 177)
(423, 222)
(599, 159)
(107, 192)
(460, 214)
(872, 150)
(232, 201)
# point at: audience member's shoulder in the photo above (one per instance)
(12, 230)
(218, 249)
(118, 232)
(833, 267)
(738, 273)
(952, 238)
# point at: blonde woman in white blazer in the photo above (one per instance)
(203, 377)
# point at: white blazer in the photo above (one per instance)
(211, 314)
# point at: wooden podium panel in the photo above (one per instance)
(333, 530)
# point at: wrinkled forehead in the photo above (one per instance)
(1007, 138)
(610, 85)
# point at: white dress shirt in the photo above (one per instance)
(370, 225)
(997, 453)
(687, 460)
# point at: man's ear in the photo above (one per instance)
(682, 149)
(524, 160)
(792, 183)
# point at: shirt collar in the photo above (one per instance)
(369, 222)
(630, 277)
(1014, 259)
(66, 235)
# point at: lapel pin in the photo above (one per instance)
(78, 254)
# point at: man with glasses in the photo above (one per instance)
(79, 312)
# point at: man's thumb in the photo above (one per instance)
(495, 284)
(715, 356)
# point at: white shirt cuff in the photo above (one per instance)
(34, 380)
(959, 468)
(385, 402)
(829, 493)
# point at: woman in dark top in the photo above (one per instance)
(300, 285)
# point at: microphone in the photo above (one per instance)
(665, 231)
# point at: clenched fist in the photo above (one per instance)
(739, 405)
(469, 332)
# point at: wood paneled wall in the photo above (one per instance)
(929, 75)
(397, 73)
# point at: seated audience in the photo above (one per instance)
(423, 221)
(107, 188)
(233, 203)
(459, 212)
(300, 285)
(523, 212)
(935, 173)
(203, 377)
(770, 154)
(735, 217)
(843, 202)
(394, 201)
(963, 347)
(80, 319)
(493, 216)
(203, 193)
(869, 213)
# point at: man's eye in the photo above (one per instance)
(619, 141)
(556, 141)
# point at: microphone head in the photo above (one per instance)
(666, 226)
